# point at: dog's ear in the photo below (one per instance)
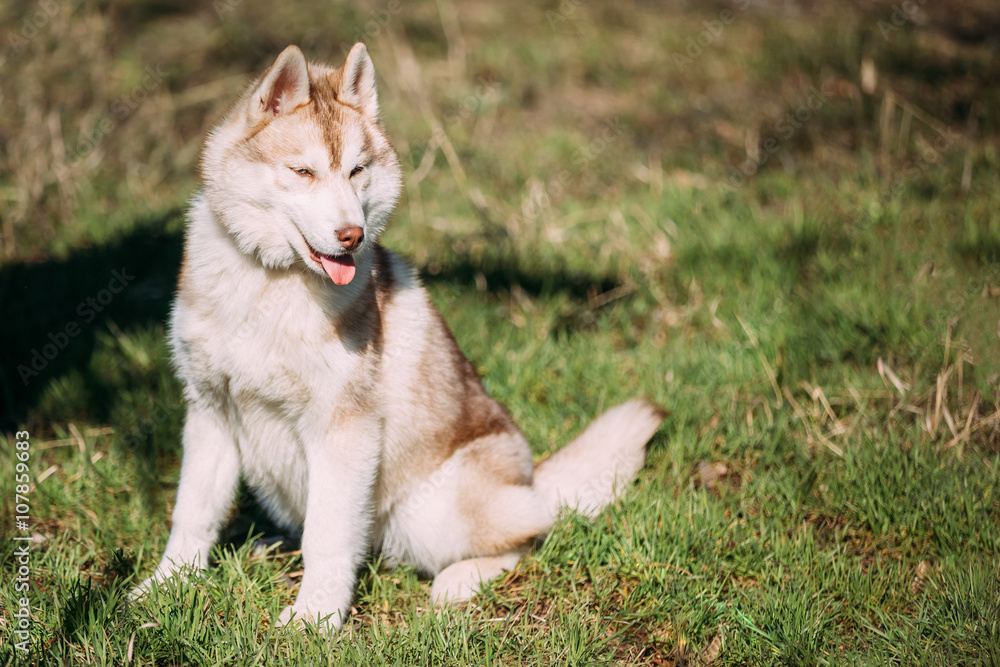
(357, 82)
(284, 88)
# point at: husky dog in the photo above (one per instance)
(314, 364)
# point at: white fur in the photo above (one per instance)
(460, 581)
(336, 433)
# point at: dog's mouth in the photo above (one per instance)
(340, 268)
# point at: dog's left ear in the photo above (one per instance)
(357, 82)
(285, 86)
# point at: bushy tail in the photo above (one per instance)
(586, 474)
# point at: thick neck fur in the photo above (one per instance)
(217, 267)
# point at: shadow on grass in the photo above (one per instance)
(60, 313)
(983, 251)
(54, 310)
(500, 277)
(250, 522)
(503, 274)
(90, 604)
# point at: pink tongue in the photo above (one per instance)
(340, 269)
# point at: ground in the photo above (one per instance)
(779, 221)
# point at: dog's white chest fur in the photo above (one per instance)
(260, 348)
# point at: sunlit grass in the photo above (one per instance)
(825, 490)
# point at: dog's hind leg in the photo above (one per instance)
(460, 581)
(504, 521)
(473, 519)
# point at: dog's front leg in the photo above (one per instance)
(342, 469)
(210, 469)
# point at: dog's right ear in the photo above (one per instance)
(284, 88)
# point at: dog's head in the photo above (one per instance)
(300, 171)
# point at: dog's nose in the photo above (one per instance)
(351, 237)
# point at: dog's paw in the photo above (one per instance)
(291, 616)
(456, 584)
(181, 573)
(460, 581)
(140, 591)
(143, 589)
(296, 616)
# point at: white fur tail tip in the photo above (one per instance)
(587, 474)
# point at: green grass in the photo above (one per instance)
(825, 490)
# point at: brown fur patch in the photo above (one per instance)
(183, 279)
(329, 115)
(384, 278)
(508, 464)
(478, 414)
(360, 324)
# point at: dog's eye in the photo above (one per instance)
(302, 171)
(357, 170)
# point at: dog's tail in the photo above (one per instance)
(589, 472)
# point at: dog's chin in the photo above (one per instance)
(272, 251)
(276, 259)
